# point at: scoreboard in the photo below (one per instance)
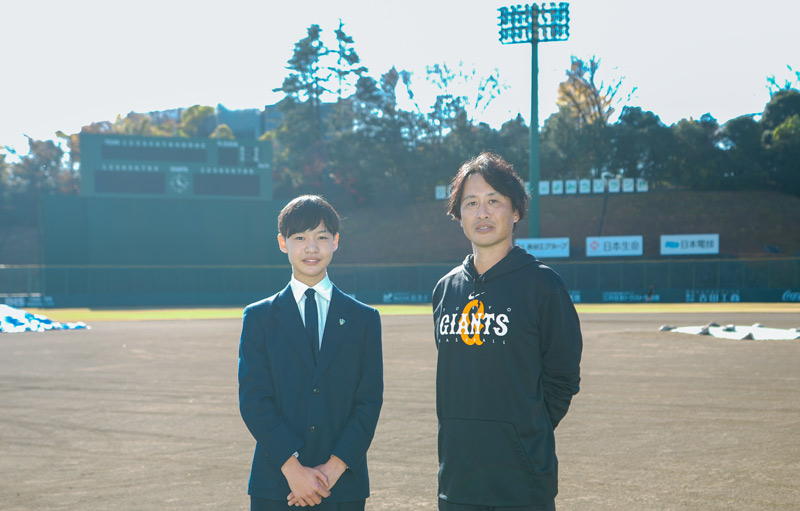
(132, 166)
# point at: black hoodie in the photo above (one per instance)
(509, 345)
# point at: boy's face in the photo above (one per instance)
(310, 253)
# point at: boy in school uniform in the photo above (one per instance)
(310, 376)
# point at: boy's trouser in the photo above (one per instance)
(257, 504)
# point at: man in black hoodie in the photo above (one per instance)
(509, 349)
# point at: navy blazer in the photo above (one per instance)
(290, 404)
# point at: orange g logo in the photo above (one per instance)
(475, 338)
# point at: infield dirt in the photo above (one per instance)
(143, 415)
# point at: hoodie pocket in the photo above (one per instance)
(483, 463)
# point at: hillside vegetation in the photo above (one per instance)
(419, 233)
(747, 222)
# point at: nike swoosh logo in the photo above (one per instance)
(472, 296)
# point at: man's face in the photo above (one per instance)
(310, 253)
(487, 216)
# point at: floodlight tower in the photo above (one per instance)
(534, 24)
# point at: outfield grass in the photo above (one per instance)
(99, 315)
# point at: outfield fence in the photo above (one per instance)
(678, 280)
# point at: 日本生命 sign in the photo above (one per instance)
(687, 244)
(545, 247)
(613, 246)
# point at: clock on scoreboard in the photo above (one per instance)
(174, 167)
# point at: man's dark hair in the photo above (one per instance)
(306, 212)
(498, 173)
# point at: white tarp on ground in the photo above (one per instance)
(16, 320)
(755, 332)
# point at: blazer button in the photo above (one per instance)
(315, 390)
(313, 429)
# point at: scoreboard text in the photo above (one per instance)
(175, 167)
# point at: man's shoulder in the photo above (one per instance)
(452, 274)
(541, 271)
(538, 278)
(445, 282)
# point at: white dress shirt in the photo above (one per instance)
(322, 295)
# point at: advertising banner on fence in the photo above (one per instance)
(688, 244)
(679, 295)
(613, 246)
(791, 296)
(544, 187)
(628, 185)
(545, 248)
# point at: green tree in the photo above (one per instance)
(784, 148)
(561, 148)
(576, 141)
(463, 96)
(375, 158)
(143, 125)
(513, 142)
(224, 132)
(41, 172)
(744, 154)
(582, 98)
(136, 124)
(782, 105)
(301, 138)
(570, 150)
(347, 70)
(4, 177)
(7, 216)
(699, 162)
(305, 84)
(197, 122)
(642, 146)
(788, 83)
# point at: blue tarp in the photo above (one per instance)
(16, 320)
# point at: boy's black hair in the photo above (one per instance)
(306, 212)
(498, 173)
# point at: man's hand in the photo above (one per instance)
(309, 485)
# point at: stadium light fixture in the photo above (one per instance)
(534, 24)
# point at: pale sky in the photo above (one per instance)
(67, 64)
